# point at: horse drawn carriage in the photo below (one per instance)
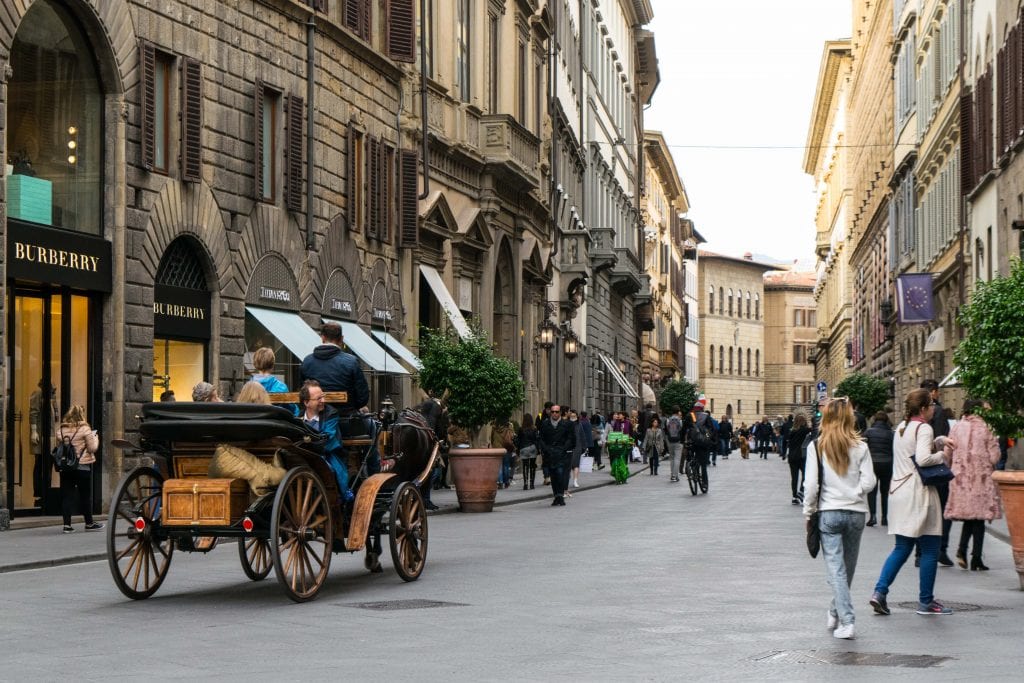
(290, 524)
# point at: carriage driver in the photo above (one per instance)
(336, 370)
(324, 419)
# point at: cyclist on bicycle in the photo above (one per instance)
(701, 437)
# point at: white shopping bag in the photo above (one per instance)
(586, 464)
(635, 455)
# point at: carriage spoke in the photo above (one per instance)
(130, 548)
(305, 510)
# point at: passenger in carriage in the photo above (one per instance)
(336, 370)
(263, 360)
(324, 418)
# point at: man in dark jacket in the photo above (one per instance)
(557, 440)
(940, 427)
(336, 370)
(879, 439)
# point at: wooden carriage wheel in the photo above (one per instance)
(138, 556)
(408, 532)
(256, 557)
(301, 534)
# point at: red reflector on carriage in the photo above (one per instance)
(247, 525)
(140, 524)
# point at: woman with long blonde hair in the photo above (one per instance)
(842, 465)
(86, 442)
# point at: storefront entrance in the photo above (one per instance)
(49, 345)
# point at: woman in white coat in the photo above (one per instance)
(915, 514)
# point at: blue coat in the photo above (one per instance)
(272, 384)
(334, 452)
(336, 370)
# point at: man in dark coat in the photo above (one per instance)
(336, 370)
(557, 441)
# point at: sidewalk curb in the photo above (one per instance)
(1005, 538)
(58, 562)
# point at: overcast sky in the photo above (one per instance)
(742, 73)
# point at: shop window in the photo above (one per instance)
(181, 321)
(54, 115)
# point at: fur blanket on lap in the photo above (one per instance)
(230, 462)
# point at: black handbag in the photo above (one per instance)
(813, 532)
(934, 475)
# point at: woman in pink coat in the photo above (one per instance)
(973, 496)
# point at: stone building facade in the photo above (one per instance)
(732, 335)
(826, 159)
(791, 334)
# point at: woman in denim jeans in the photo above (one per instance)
(915, 514)
(846, 475)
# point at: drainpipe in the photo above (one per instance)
(310, 82)
(552, 95)
(962, 204)
(425, 144)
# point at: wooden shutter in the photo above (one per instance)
(967, 142)
(401, 30)
(258, 140)
(373, 187)
(191, 120)
(351, 188)
(387, 191)
(1002, 93)
(357, 17)
(293, 154)
(320, 6)
(408, 206)
(147, 105)
(364, 20)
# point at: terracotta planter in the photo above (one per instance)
(1011, 488)
(475, 471)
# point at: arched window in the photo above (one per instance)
(730, 301)
(739, 361)
(730, 360)
(711, 367)
(757, 307)
(748, 362)
(748, 309)
(757, 363)
(721, 360)
(721, 301)
(711, 300)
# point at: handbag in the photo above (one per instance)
(934, 475)
(813, 532)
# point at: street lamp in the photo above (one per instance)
(548, 329)
(571, 345)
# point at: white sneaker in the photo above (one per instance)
(833, 621)
(575, 483)
(844, 631)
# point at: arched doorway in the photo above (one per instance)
(504, 304)
(181, 321)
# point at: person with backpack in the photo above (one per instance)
(725, 437)
(796, 454)
(528, 443)
(74, 456)
(674, 435)
(701, 438)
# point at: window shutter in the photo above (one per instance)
(320, 6)
(147, 65)
(401, 30)
(408, 206)
(191, 120)
(966, 142)
(387, 191)
(258, 140)
(351, 190)
(1002, 80)
(357, 17)
(364, 19)
(293, 154)
(373, 187)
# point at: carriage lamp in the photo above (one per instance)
(247, 525)
(547, 334)
(140, 524)
(571, 346)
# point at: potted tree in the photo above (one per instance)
(868, 393)
(481, 387)
(990, 363)
(677, 393)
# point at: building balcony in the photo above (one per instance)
(627, 275)
(510, 150)
(668, 361)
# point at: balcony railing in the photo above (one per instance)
(504, 141)
(668, 360)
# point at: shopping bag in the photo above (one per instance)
(586, 464)
(635, 455)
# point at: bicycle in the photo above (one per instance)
(696, 471)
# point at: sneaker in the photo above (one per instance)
(844, 631)
(95, 526)
(933, 607)
(68, 529)
(878, 602)
(833, 621)
(796, 501)
(674, 479)
(575, 483)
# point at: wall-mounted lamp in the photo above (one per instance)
(546, 337)
(571, 345)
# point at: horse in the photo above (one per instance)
(414, 436)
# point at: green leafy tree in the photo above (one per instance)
(869, 394)
(677, 393)
(481, 386)
(991, 356)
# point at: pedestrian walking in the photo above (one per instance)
(503, 436)
(915, 513)
(86, 442)
(544, 414)
(528, 444)
(940, 427)
(558, 438)
(655, 446)
(879, 439)
(763, 435)
(797, 457)
(584, 440)
(843, 473)
(973, 496)
(784, 430)
(725, 437)
(675, 432)
(598, 436)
